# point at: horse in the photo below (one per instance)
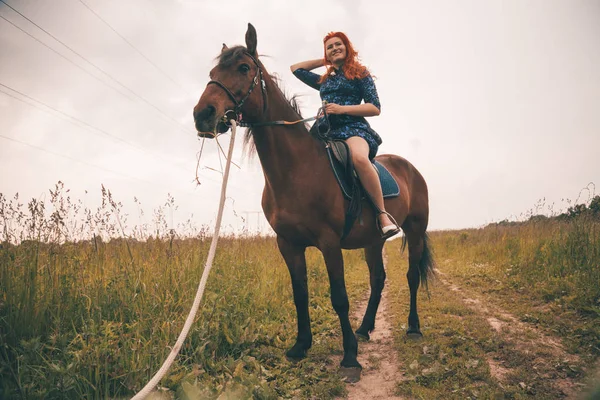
(302, 200)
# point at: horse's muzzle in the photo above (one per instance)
(207, 123)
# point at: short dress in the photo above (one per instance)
(343, 91)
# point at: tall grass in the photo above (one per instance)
(88, 308)
(553, 258)
(552, 262)
(543, 271)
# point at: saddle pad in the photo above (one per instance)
(389, 186)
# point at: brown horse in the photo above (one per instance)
(302, 200)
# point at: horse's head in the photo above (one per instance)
(236, 86)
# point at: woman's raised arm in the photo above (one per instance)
(308, 65)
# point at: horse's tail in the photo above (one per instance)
(427, 263)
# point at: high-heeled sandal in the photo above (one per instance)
(389, 230)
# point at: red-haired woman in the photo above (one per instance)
(345, 84)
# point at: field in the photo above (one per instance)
(514, 312)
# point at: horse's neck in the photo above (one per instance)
(287, 151)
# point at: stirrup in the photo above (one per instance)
(389, 230)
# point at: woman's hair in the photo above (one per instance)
(353, 69)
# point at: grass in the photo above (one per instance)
(95, 318)
(89, 308)
(561, 255)
(544, 272)
(450, 361)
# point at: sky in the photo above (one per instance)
(496, 103)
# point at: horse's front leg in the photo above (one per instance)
(339, 299)
(296, 262)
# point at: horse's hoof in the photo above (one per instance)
(293, 359)
(295, 356)
(350, 374)
(296, 353)
(414, 333)
(350, 363)
(362, 336)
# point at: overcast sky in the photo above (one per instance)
(497, 103)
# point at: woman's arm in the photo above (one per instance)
(302, 69)
(360, 110)
(308, 65)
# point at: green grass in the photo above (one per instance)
(548, 269)
(545, 273)
(95, 318)
(89, 308)
(553, 259)
(450, 361)
(75, 325)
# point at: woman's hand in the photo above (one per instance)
(332, 108)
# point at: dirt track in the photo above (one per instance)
(523, 347)
(378, 358)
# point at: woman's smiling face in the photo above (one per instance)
(336, 51)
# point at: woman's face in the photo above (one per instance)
(335, 51)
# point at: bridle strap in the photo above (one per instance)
(255, 80)
(239, 104)
(231, 95)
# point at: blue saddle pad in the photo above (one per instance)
(389, 186)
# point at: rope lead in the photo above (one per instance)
(207, 267)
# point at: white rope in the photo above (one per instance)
(211, 255)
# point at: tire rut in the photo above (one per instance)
(548, 357)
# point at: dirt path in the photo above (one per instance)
(378, 356)
(549, 360)
(466, 329)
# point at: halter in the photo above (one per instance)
(235, 114)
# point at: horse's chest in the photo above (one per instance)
(299, 214)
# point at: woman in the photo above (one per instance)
(345, 84)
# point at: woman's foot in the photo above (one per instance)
(388, 225)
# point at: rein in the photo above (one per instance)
(280, 122)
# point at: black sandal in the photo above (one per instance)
(389, 230)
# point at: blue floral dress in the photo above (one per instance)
(340, 90)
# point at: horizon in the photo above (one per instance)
(73, 212)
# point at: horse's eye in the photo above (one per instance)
(244, 68)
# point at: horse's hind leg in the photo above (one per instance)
(374, 257)
(420, 266)
(415, 250)
(296, 262)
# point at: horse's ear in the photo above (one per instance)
(224, 48)
(251, 40)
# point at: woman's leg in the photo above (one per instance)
(367, 174)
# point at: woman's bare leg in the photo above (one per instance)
(367, 174)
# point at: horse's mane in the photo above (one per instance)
(226, 59)
(230, 55)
